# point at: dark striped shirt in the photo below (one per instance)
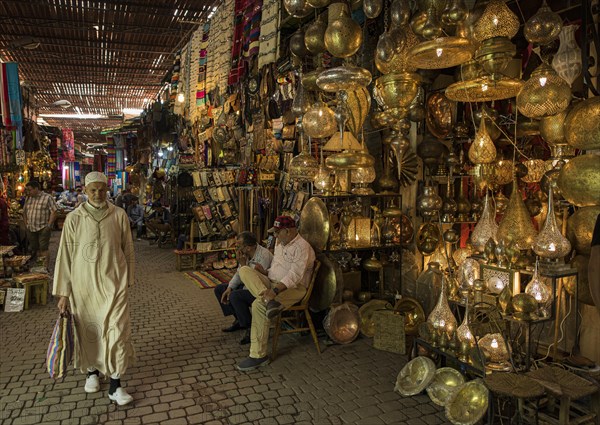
(37, 211)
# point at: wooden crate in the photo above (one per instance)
(185, 259)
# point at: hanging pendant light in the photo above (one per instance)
(550, 243)
(482, 150)
(543, 27)
(486, 227)
(544, 94)
(497, 20)
(304, 167)
(441, 318)
(516, 224)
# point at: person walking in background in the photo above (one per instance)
(94, 269)
(39, 213)
(4, 221)
(159, 222)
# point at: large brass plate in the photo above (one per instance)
(314, 224)
(468, 404)
(415, 376)
(367, 324)
(329, 278)
(413, 314)
(446, 381)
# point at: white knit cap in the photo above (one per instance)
(95, 176)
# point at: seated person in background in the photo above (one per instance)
(81, 197)
(159, 221)
(282, 285)
(235, 299)
(135, 212)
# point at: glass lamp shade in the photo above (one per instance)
(304, 167)
(544, 94)
(322, 179)
(567, 61)
(550, 243)
(535, 170)
(497, 20)
(495, 285)
(537, 289)
(441, 318)
(516, 224)
(486, 227)
(543, 27)
(482, 150)
(319, 121)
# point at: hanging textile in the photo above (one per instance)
(219, 47)
(175, 79)
(68, 144)
(11, 95)
(245, 37)
(111, 163)
(201, 86)
(269, 33)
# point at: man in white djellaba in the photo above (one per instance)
(94, 269)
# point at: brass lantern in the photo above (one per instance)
(582, 125)
(497, 21)
(544, 94)
(579, 180)
(543, 27)
(516, 224)
(482, 150)
(343, 36)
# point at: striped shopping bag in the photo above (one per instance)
(60, 349)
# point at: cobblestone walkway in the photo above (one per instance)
(185, 373)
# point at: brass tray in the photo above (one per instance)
(367, 324)
(329, 278)
(314, 224)
(413, 313)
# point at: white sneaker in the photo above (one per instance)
(92, 384)
(120, 397)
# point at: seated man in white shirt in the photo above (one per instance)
(233, 297)
(282, 285)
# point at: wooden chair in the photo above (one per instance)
(295, 321)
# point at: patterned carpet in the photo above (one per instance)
(210, 279)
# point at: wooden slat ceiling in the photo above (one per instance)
(102, 56)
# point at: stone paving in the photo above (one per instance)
(185, 371)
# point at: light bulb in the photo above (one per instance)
(543, 81)
(484, 87)
(494, 343)
(170, 148)
(439, 52)
(495, 20)
(180, 98)
(160, 154)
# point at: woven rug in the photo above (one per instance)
(209, 279)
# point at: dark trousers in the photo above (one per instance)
(240, 303)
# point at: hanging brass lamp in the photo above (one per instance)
(497, 20)
(579, 180)
(442, 52)
(550, 243)
(343, 36)
(398, 90)
(482, 150)
(516, 224)
(543, 27)
(582, 125)
(314, 36)
(544, 94)
(484, 89)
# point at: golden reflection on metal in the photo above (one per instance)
(314, 223)
(342, 323)
(484, 89)
(442, 52)
(581, 131)
(468, 404)
(413, 314)
(579, 180)
(544, 94)
(367, 324)
(445, 382)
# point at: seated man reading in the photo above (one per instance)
(281, 285)
(159, 221)
(233, 297)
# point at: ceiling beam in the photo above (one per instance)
(71, 42)
(152, 30)
(65, 65)
(141, 8)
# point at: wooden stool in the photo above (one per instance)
(511, 386)
(40, 288)
(566, 387)
(185, 259)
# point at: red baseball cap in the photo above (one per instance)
(283, 222)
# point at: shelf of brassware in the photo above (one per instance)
(446, 355)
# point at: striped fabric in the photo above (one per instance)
(61, 347)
